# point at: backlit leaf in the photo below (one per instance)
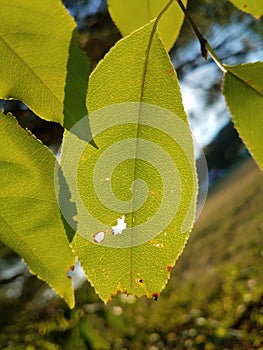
(142, 173)
(40, 62)
(254, 7)
(243, 90)
(133, 14)
(30, 220)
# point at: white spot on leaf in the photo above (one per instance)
(99, 237)
(159, 245)
(117, 230)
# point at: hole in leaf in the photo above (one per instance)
(99, 237)
(117, 230)
(139, 280)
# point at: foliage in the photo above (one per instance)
(42, 65)
(142, 12)
(246, 81)
(253, 7)
(131, 267)
(38, 56)
(213, 300)
(29, 215)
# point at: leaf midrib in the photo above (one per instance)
(144, 73)
(28, 67)
(29, 249)
(11, 49)
(235, 75)
(28, 197)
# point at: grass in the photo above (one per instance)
(214, 299)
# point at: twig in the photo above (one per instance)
(205, 46)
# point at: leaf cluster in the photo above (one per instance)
(42, 65)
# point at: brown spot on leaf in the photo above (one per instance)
(70, 271)
(155, 296)
(169, 268)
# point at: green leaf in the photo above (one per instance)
(243, 90)
(254, 7)
(142, 172)
(40, 62)
(30, 220)
(133, 14)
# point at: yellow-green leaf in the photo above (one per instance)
(243, 90)
(133, 14)
(142, 173)
(30, 219)
(254, 7)
(40, 62)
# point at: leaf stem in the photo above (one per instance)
(156, 21)
(205, 46)
(215, 58)
(163, 11)
(199, 36)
